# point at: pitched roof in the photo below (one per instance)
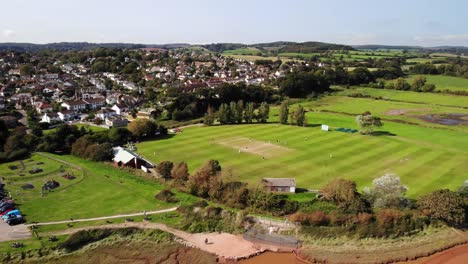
(123, 155)
(279, 182)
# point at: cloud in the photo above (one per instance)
(8, 33)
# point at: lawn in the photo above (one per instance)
(313, 157)
(86, 126)
(98, 190)
(443, 82)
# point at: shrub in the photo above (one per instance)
(318, 218)
(166, 196)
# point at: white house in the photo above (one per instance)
(66, 115)
(78, 105)
(116, 121)
(120, 108)
(95, 103)
(105, 113)
(50, 117)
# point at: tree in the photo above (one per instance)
(345, 195)
(119, 135)
(301, 84)
(4, 133)
(367, 123)
(263, 113)
(205, 179)
(164, 169)
(209, 116)
(401, 84)
(180, 171)
(418, 83)
(284, 112)
(234, 112)
(387, 191)
(444, 205)
(224, 114)
(298, 117)
(249, 113)
(142, 128)
(239, 112)
(26, 70)
(428, 88)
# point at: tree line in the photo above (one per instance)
(237, 113)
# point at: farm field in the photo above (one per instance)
(314, 157)
(255, 57)
(411, 97)
(443, 82)
(98, 190)
(392, 110)
(243, 51)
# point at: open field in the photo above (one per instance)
(255, 57)
(318, 156)
(86, 126)
(443, 82)
(98, 190)
(411, 97)
(243, 51)
(391, 110)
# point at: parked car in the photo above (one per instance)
(6, 207)
(11, 214)
(14, 219)
(6, 201)
(7, 211)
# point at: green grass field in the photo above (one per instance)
(443, 82)
(98, 190)
(411, 97)
(403, 111)
(314, 157)
(243, 51)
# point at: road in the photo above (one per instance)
(104, 217)
(17, 232)
(224, 245)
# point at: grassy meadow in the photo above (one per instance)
(98, 190)
(314, 157)
(443, 82)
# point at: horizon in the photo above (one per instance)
(247, 44)
(362, 22)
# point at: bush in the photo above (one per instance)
(166, 196)
(85, 237)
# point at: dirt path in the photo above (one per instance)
(224, 245)
(59, 160)
(104, 217)
(455, 255)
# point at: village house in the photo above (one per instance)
(66, 115)
(105, 113)
(78, 105)
(95, 103)
(126, 158)
(279, 184)
(116, 121)
(44, 107)
(50, 118)
(120, 108)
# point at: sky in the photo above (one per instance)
(353, 22)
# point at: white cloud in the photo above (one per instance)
(8, 33)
